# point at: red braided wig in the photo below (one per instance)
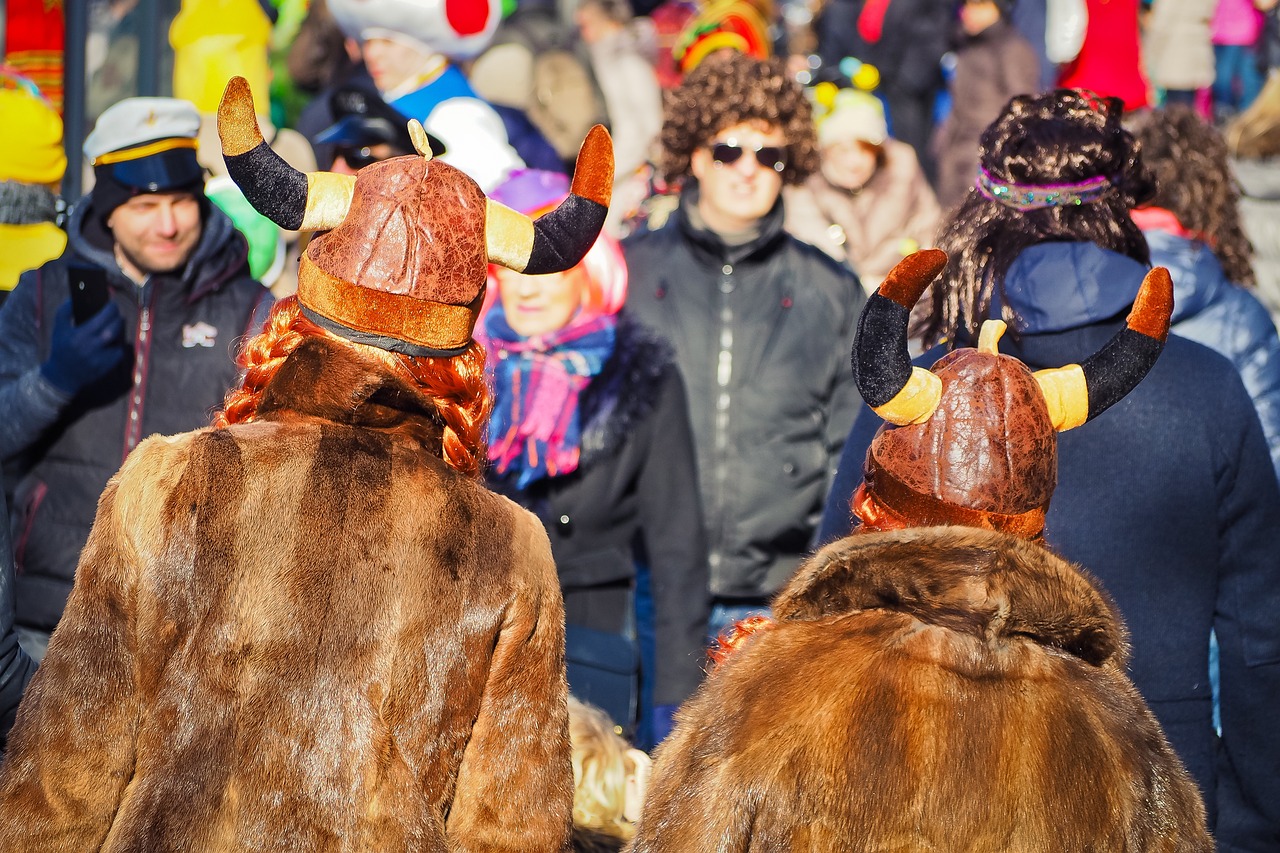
(456, 385)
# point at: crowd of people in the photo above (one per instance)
(390, 465)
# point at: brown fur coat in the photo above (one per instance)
(306, 634)
(933, 689)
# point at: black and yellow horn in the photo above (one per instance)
(557, 240)
(291, 199)
(1077, 393)
(897, 391)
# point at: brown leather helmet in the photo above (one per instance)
(403, 263)
(973, 440)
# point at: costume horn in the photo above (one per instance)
(1077, 393)
(291, 199)
(560, 238)
(893, 388)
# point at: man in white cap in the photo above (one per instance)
(81, 385)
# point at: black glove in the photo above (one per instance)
(81, 355)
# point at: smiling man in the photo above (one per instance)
(155, 356)
(761, 323)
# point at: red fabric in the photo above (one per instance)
(1110, 60)
(34, 44)
(871, 20)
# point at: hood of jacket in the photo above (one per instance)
(221, 254)
(1053, 287)
(1198, 279)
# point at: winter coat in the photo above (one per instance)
(636, 482)
(15, 667)
(301, 633)
(942, 688)
(1170, 500)
(1110, 61)
(59, 451)
(1177, 44)
(872, 228)
(761, 333)
(1225, 317)
(1259, 182)
(912, 41)
(991, 68)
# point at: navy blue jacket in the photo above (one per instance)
(1169, 498)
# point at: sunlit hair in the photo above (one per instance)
(1194, 182)
(600, 769)
(733, 638)
(606, 278)
(1061, 137)
(735, 89)
(455, 385)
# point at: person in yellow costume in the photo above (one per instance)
(32, 163)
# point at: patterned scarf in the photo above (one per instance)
(535, 430)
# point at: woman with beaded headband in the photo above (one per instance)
(1169, 497)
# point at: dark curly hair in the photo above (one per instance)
(1194, 182)
(731, 88)
(1064, 136)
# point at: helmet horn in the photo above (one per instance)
(291, 199)
(1077, 393)
(559, 239)
(897, 391)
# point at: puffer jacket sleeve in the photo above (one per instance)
(515, 785)
(1257, 357)
(30, 404)
(72, 750)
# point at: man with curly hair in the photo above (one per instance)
(760, 322)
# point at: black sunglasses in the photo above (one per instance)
(357, 158)
(767, 156)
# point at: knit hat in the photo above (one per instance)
(142, 145)
(854, 115)
(740, 25)
(973, 440)
(409, 239)
(30, 138)
(459, 29)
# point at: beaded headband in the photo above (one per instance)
(1039, 196)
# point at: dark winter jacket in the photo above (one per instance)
(58, 452)
(636, 484)
(1169, 499)
(15, 667)
(1209, 309)
(762, 334)
(913, 39)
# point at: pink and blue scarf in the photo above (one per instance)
(535, 430)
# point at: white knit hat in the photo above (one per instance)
(856, 116)
(460, 29)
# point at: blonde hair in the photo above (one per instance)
(600, 769)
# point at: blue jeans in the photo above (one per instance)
(1235, 69)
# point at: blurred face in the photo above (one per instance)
(977, 16)
(541, 304)
(349, 160)
(156, 232)
(849, 164)
(736, 188)
(390, 63)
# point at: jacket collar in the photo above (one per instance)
(1197, 274)
(330, 381)
(1052, 287)
(708, 242)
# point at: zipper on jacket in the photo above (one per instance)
(724, 373)
(142, 351)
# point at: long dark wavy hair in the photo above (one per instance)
(731, 89)
(1194, 182)
(1060, 137)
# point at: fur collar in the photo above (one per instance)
(980, 582)
(625, 392)
(331, 381)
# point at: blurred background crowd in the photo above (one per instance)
(674, 408)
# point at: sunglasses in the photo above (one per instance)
(767, 156)
(357, 158)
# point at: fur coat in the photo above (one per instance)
(302, 633)
(930, 689)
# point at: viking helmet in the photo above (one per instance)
(402, 264)
(973, 440)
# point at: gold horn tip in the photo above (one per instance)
(989, 336)
(237, 122)
(418, 134)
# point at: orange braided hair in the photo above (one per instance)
(456, 385)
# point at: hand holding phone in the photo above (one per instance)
(89, 292)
